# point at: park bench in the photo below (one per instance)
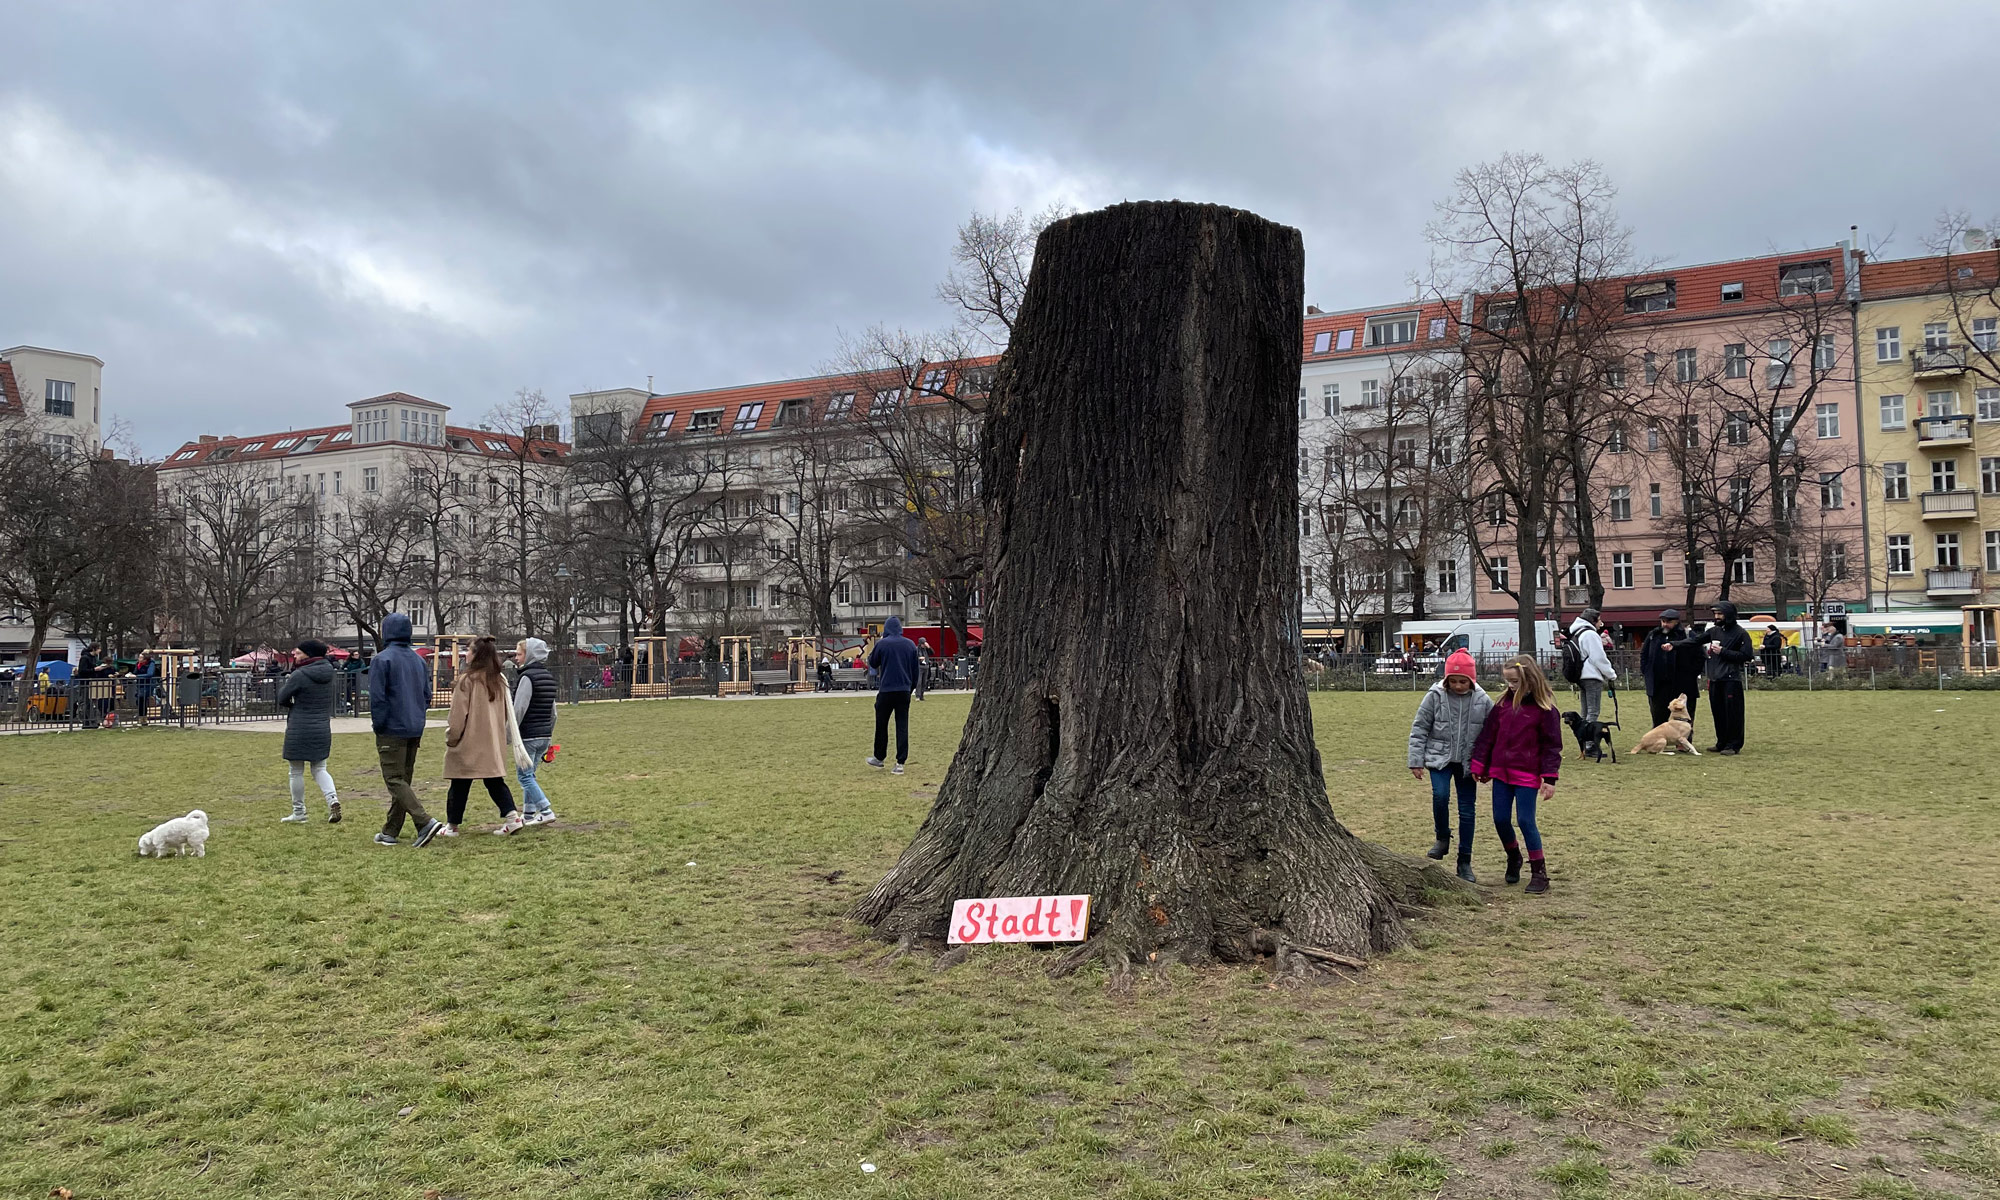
(766, 683)
(845, 678)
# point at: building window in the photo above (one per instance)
(1888, 343)
(1329, 399)
(1496, 573)
(1732, 293)
(790, 412)
(1900, 557)
(1801, 279)
(1691, 432)
(886, 402)
(1652, 436)
(1937, 336)
(1447, 576)
(1496, 508)
(1944, 475)
(1989, 476)
(1993, 550)
(1986, 333)
(1621, 504)
(1614, 439)
(1743, 568)
(1371, 393)
(747, 416)
(1736, 361)
(1778, 371)
(1739, 495)
(1986, 403)
(1650, 367)
(1684, 366)
(1322, 341)
(336, 483)
(1653, 500)
(59, 398)
(1659, 568)
(1437, 328)
(1392, 331)
(1947, 549)
(1940, 404)
(1657, 296)
(1621, 570)
(1824, 353)
(1892, 412)
(1736, 429)
(1833, 560)
(1695, 571)
(662, 424)
(371, 479)
(842, 594)
(705, 422)
(1829, 490)
(1828, 417)
(839, 405)
(1895, 481)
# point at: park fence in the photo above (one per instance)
(209, 698)
(1865, 668)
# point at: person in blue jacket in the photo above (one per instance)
(894, 662)
(399, 698)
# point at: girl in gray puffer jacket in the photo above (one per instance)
(1447, 724)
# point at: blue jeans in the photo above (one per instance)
(1441, 780)
(1508, 799)
(533, 799)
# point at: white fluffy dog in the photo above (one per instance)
(180, 834)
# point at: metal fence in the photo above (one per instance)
(1860, 668)
(209, 698)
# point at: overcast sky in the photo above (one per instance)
(257, 212)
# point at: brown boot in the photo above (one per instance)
(1538, 877)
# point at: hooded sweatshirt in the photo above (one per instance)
(1447, 724)
(1733, 647)
(894, 659)
(399, 683)
(535, 692)
(1596, 663)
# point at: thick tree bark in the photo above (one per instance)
(1141, 731)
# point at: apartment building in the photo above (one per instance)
(396, 471)
(1930, 393)
(1729, 397)
(60, 392)
(1381, 466)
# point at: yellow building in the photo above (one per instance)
(1928, 346)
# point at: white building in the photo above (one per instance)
(60, 392)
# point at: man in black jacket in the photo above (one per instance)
(1668, 674)
(1726, 647)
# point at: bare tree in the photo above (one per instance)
(1967, 290)
(525, 484)
(433, 491)
(1522, 252)
(642, 500)
(240, 531)
(812, 512)
(989, 271)
(374, 559)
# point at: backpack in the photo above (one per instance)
(1572, 663)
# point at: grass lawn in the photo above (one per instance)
(1770, 975)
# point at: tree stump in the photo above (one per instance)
(1141, 731)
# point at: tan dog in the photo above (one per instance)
(1674, 733)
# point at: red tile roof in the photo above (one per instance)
(238, 449)
(1930, 274)
(10, 389)
(1354, 324)
(732, 401)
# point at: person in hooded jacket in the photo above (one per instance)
(1726, 649)
(307, 697)
(535, 709)
(1668, 674)
(894, 663)
(1598, 673)
(399, 698)
(1447, 724)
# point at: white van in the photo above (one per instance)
(1494, 638)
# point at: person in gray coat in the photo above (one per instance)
(1441, 738)
(307, 696)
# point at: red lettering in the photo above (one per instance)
(1076, 914)
(991, 917)
(970, 931)
(1032, 926)
(1011, 926)
(1054, 913)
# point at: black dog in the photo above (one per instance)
(1592, 737)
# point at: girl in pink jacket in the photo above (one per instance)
(1520, 750)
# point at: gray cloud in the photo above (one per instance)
(256, 213)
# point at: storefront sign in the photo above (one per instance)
(1019, 919)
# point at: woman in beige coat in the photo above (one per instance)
(476, 739)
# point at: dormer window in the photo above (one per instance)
(839, 405)
(345, 435)
(706, 421)
(747, 416)
(1392, 331)
(790, 412)
(1654, 296)
(1803, 279)
(1323, 341)
(1732, 293)
(496, 447)
(886, 402)
(311, 444)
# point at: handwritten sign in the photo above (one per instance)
(1019, 919)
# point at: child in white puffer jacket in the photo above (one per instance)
(1447, 724)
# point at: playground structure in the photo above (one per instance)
(735, 656)
(449, 651)
(801, 661)
(652, 666)
(179, 678)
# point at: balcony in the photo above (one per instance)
(1542, 597)
(1961, 504)
(1939, 432)
(1939, 362)
(1575, 597)
(1951, 581)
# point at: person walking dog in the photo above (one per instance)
(399, 698)
(1520, 750)
(1595, 675)
(894, 662)
(1447, 724)
(307, 696)
(535, 714)
(1724, 648)
(477, 739)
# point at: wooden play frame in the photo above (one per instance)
(659, 679)
(802, 655)
(1980, 626)
(735, 653)
(456, 645)
(174, 665)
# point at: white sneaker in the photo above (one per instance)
(513, 824)
(874, 762)
(447, 831)
(896, 770)
(297, 818)
(548, 814)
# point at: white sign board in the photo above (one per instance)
(1019, 919)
